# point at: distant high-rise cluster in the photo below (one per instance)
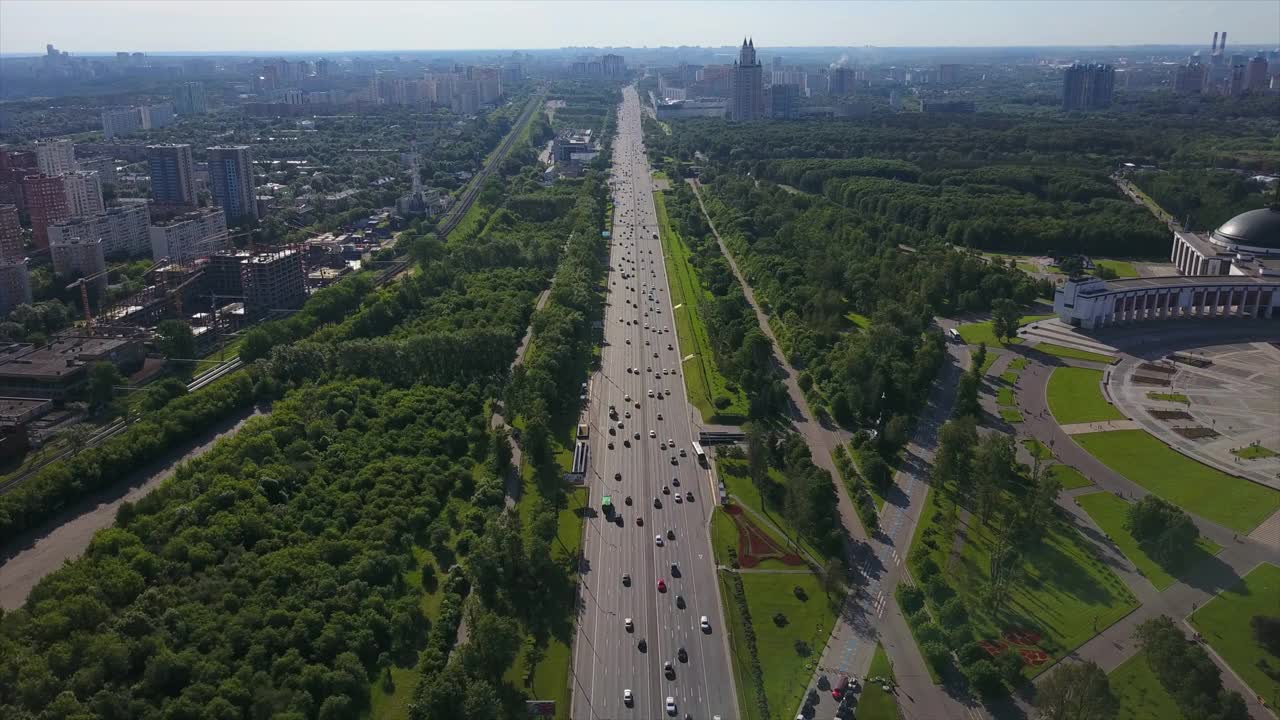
(746, 85)
(1088, 86)
(1233, 75)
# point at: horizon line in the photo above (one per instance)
(349, 51)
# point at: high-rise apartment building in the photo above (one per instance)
(188, 237)
(1087, 86)
(746, 85)
(274, 281)
(55, 157)
(1190, 79)
(120, 122)
(46, 199)
(10, 234)
(173, 175)
(125, 229)
(231, 179)
(840, 81)
(15, 284)
(189, 99)
(80, 257)
(157, 116)
(1239, 83)
(1256, 75)
(782, 101)
(948, 73)
(83, 189)
(613, 66)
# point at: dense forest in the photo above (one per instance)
(1202, 200)
(304, 564)
(818, 267)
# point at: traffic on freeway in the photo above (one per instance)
(650, 640)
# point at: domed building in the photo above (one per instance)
(1232, 272)
(1247, 244)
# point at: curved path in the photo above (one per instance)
(870, 614)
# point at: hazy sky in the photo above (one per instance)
(318, 25)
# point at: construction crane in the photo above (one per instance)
(83, 284)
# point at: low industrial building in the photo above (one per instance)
(60, 369)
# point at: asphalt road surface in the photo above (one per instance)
(641, 381)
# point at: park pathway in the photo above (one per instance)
(1113, 645)
(870, 613)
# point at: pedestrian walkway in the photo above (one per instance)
(870, 614)
(1103, 426)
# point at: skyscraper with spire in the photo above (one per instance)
(746, 85)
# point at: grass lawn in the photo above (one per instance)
(1070, 477)
(1010, 415)
(788, 653)
(1018, 364)
(1075, 396)
(701, 376)
(733, 473)
(1224, 622)
(1169, 397)
(1009, 376)
(1141, 695)
(862, 321)
(1004, 396)
(876, 704)
(1063, 590)
(1212, 494)
(739, 651)
(1254, 452)
(724, 536)
(1122, 268)
(1074, 354)
(981, 332)
(1109, 512)
(987, 362)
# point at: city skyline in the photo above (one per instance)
(316, 26)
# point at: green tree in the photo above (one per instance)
(175, 339)
(1005, 316)
(1165, 531)
(103, 380)
(1076, 691)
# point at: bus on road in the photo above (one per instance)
(699, 453)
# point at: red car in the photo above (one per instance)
(837, 690)
(662, 585)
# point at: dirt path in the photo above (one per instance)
(39, 552)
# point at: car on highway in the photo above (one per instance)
(617, 476)
(659, 416)
(666, 490)
(669, 670)
(682, 656)
(671, 534)
(630, 626)
(627, 699)
(680, 601)
(683, 453)
(705, 624)
(657, 502)
(657, 540)
(653, 434)
(626, 579)
(671, 706)
(679, 499)
(689, 496)
(662, 585)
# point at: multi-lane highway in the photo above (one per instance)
(641, 436)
